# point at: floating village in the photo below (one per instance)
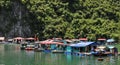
(59, 32)
(79, 47)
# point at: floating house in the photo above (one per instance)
(49, 45)
(18, 40)
(81, 48)
(30, 39)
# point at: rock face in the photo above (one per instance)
(14, 20)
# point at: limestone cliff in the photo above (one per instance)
(14, 20)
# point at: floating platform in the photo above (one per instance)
(57, 51)
(103, 54)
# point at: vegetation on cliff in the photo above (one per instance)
(71, 18)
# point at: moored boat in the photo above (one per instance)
(102, 54)
(38, 49)
(30, 47)
(23, 46)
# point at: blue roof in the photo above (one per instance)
(110, 40)
(83, 44)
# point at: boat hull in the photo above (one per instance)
(57, 51)
(29, 48)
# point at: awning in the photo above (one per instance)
(83, 39)
(18, 38)
(110, 40)
(2, 38)
(50, 42)
(67, 40)
(10, 39)
(101, 39)
(82, 44)
(102, 47)
(30, 38)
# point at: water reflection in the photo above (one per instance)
(12, 55)
(69, 58)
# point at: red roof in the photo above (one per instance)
(30, 38)
(18, 38)
(67, 40)
(84, 39)
(50, 42)
(59, 43)
(101, 39)
(58, 38)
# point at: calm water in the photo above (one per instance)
(11, 55)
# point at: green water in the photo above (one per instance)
(10, 54)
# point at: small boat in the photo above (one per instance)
(30, 47)
(103, 54)
(23, 46)
(38, 49)
(100, 54)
